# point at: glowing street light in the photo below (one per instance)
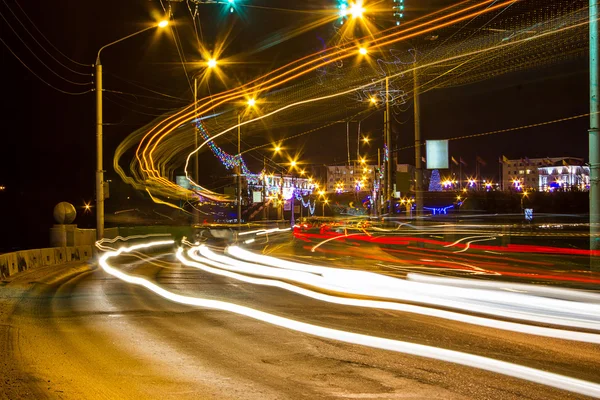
(212, 63)
(251, 102)
(163, 24)
(356, 9)
(364, 52)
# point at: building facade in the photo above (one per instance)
(346, 178)
(564, 176)
(536, 173)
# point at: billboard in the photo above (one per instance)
(183, 181)
(437, 154)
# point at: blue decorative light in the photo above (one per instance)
(439, 210)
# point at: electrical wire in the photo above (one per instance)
(137, 95)
(134, 83)
(41, 79)
(111, 100)
(181, 55)
(508, 129)
(139, 104)
(39, 44)
(39, 59)
(49, 42)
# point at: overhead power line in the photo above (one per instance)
(39, 44)
(40, 78)
(40, 60)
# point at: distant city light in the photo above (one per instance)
(212, 63)
(163, 24)
(251, 102)
(363, 51)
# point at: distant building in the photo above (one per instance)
(536, 173)
(346, 178)
(566, 175)
(274, 185)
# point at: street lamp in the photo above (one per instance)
(211, 64)
(99, 122)
(250, 103)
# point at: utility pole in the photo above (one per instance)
(378, 177)
(264, 188)
(239, 174)
(280, 208)
(594, 140)
(99, 167)
(293, 217)
(388, 133)
(196, 168)
(418, 156)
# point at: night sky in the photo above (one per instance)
(48, 138)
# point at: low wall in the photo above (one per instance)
(12, 263)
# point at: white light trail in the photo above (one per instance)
(491, 302)
(473, 241)
(225, 270)
(465, 238)
(333, 238)
(501, 367)
(561, 293)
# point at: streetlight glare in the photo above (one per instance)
(251, 102)
(212, 63)
(363, 51)
(163, 24)
(357, 10)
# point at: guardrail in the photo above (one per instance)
(19, 261)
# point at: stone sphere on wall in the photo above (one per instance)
(64, 213)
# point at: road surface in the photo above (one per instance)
(75, 332)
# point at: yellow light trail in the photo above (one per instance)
(470, 360)
(338, 94)
(146, 159)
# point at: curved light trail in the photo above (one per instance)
(502, 304)
(226, 270)
(489, 364)
(152, 139)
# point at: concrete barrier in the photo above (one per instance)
(13, 263)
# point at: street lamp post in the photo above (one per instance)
(251, 103)
(239, 174)
(324, 202)
(99, 123)
(594, 136)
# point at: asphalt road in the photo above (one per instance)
(74, 332)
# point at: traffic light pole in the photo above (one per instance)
(418, 156)
(388, 135)
(594, 139)
(239, 174)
